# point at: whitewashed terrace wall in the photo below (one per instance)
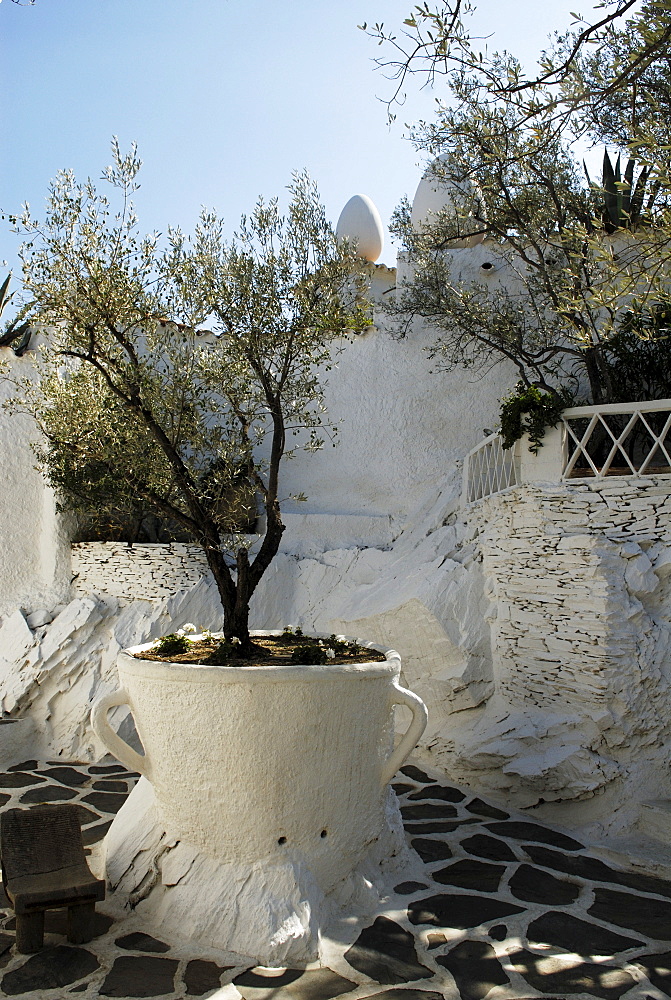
(149, 572)
(579, 574)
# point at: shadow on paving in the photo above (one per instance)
(494, 903)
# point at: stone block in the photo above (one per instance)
(79, 613)
(639, 575)
(15, 636)
(38, 618)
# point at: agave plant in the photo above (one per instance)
(619, 202)
(16, 331)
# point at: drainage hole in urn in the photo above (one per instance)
(323, 834)
(281, 840)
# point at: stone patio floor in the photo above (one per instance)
(498, 907)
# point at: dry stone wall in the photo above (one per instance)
(579, 577)
(149, 572)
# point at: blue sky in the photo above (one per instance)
(224, 98)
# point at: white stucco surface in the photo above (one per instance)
(272, 912)
(299, 755)
(401, 425)
(34, 549)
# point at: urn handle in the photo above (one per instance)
(420, 717)
(121, 750)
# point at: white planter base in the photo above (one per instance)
(264, 805)
(273, 914)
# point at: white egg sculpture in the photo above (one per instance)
(360, 223)
(444, 190)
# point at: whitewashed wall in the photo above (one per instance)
(34, 545)
(402, 425)
(149, 572)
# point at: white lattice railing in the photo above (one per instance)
(488, 469)
(617, 439)
(590, 442)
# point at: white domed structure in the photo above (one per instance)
(445, 190)
(360, 223)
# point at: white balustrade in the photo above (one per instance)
(488, 469)
(589, 442)
(617, 439)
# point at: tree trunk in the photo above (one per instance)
(236, 624)
(599, 381)
(236, 594)
(222, 578)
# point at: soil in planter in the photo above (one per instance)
(280, 650)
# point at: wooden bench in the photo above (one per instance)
(43, 867)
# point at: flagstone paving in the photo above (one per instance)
(496, 906)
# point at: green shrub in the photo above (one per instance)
(529, 410)
(309, 654)
(638, 355)
(171, 645)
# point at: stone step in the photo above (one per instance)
(306, 534)
(655, 819)
(18, 740)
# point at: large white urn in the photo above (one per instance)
(274, 774)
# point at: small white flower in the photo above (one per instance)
(330, 653)
(235, 641)
(189, 627)
(180, 631)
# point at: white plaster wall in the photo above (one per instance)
(34, 549)
(401, 425)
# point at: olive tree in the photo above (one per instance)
(177, 377)
(583, 254)
(612, 60)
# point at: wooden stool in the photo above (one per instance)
(43, 867)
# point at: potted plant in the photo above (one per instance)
(265, 798)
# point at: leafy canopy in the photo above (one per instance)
(177, 374)
(572, 257)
